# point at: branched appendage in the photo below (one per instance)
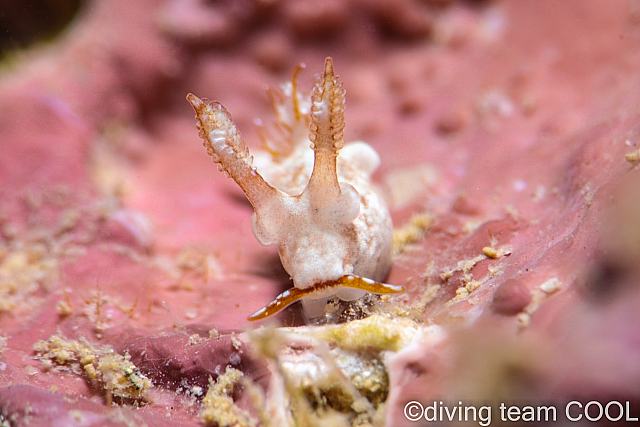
(327, 130)
(225, 145)
(292, 115)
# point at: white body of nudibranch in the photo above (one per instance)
(332, 229)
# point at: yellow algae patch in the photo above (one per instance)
(218, 407)
(102, 365)
(633, 157)
(410, 233)
(469, 284)
(23, 274)
(538, 296)
(375, 332)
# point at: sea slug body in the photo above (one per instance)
(332, 229)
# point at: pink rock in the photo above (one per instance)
(510, 298)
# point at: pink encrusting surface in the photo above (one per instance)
(507, 123)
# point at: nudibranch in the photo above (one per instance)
(332, 229)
